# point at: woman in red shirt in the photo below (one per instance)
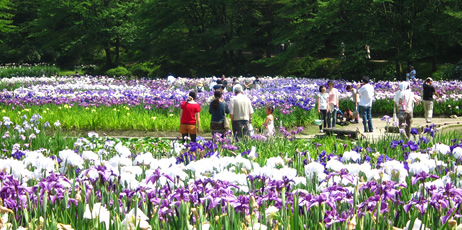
(190, 122)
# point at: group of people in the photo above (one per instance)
(239, 108)
(363, 94)
(328, 103)
(222, 84)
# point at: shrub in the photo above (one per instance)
(145, 69)
(445, 72)
(118, 71)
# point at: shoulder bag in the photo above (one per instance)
(226, 120)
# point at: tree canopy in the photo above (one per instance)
(320, 38)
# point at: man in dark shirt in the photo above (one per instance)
(428, 92)
(219, 85)
(224, 82)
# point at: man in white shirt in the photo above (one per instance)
(240, 109)
(366, 94)
(170, 79)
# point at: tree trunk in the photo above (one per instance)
(108, 57)
(117, 46)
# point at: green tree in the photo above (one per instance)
(84, 28)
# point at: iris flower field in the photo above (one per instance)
(51, 180)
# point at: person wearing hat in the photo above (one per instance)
(200, 87)
(366, 94)
(428, 92)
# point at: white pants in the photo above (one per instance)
(428, 107)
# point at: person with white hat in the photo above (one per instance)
(404, 100)
(428, 92)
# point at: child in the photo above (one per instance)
(269, 122)
(323, 106)
(355, 96)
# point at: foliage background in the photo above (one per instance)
(315, 38)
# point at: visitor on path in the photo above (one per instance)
(200, 87)
(323, 106)
(218, 86)
(224, 83)
(247, 83)
(190, 122)
(355, 97)
(170, 79)
(405, 103)
(366, 94)
(333, 105)
(235, 82)
(412, 73)
(240, 109)
(428, 92)
(269, 122)
(396, 104)
(213, 83)
(257, 83)
(218, 108)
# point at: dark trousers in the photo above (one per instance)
(240, 128)
(323, 117)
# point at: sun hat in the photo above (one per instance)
(429, 79)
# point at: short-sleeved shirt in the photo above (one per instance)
(428, 91)
(333, 96)
(366, 94)
(240, 107)
(354, 96)
(412, 74)
(218, 115)
(189, 113)
(407, 97)
(323, 101)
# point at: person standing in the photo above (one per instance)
(247, 83)
(428, 92)
(213, 83)
(412, 73)
(333, 105)
(354, 95)
(323, 106)
(218, 108)
(199, 87)
(190, 121)
(366, 94)
(257, 83)
(235, 82)
(269, 122)
(171, 79)
(218, 86)
(240, 109)
(224, 83)
(405, 102)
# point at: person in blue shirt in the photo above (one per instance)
(218, 108)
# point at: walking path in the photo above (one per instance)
(380, 126)
(379, 129)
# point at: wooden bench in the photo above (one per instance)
(341, 132)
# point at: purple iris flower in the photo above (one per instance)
(422, 177)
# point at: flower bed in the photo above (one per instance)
(101, 183)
